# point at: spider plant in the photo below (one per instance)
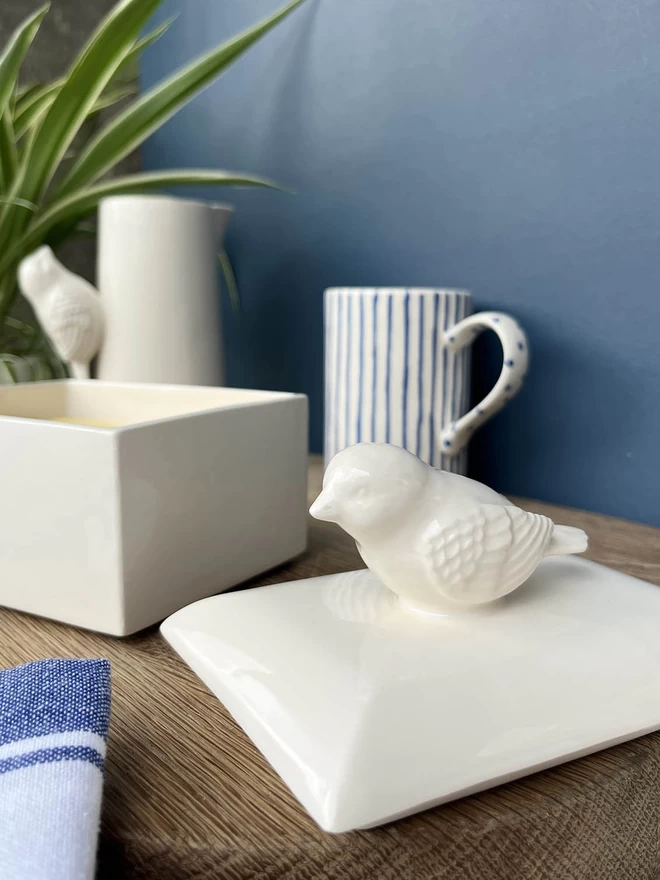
(52, 177)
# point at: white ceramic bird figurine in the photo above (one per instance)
(440, 541)
(67, 307)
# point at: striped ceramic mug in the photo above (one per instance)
(398, 370)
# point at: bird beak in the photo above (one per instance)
(323, 507)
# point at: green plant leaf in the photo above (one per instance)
(19, 368)
(12, 206)
(33, 101)
(24, 89)
(7, 374)
(139, 47)
(34, 109)
(14, 53)
(111, 97)
(131, 127)
(34, 105)
(8, 152)
(230, 281)
(91, 72)
(85, 230)
(25, 330)
(77, 205)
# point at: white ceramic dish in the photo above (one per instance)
(114, 528)
(370, 711)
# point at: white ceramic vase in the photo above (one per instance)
(158, 279)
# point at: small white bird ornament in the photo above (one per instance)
(440, 541)
(67, 307)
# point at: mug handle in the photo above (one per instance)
(514, 369)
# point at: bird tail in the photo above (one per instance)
(566, 539)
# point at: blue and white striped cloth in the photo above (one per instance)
(54, 718)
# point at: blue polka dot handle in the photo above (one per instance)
(514, 369)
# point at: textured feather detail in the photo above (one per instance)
(70, 328)
(487, 555)
(532, 534)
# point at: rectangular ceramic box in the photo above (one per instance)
(172, 494)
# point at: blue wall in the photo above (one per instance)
(507, 146)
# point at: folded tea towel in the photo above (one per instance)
(53, 730)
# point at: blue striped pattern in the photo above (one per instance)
(358, 438)
(420, 385)
(389, 378)
(54, 718)
(334, 363)
(52, 756)
(406, 368)
(435, 336)
(53, 697)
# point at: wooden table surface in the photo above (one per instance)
(188, 796)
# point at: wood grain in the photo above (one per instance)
(188, 797)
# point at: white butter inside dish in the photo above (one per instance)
(120, 404)
(176, 495)
(370, 711)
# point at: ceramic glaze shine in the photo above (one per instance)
(438, 540)
(370, 712)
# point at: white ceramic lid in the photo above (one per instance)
(370, 711)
